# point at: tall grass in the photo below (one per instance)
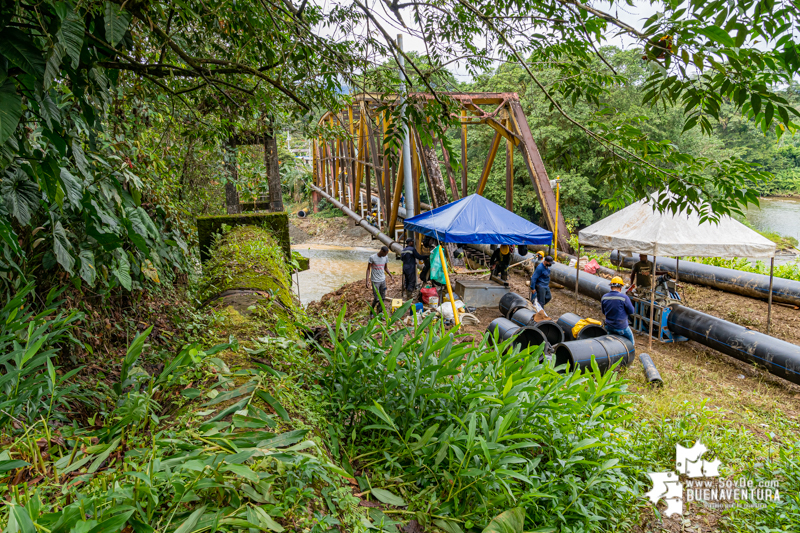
(464, 430)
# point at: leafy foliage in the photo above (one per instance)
(468, 429)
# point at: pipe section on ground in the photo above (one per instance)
(606, 350)
(510, 303)
(588, 284)
(650, 371)
(525, 336)
(551, 330)
(568, 321)
(725, 279)
(778, 357)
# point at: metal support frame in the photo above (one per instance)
(660, 315)
(346, 166)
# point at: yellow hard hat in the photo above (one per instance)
(616, 280)
(504, 249)
(540, 253)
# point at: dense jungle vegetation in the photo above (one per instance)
(126, 405)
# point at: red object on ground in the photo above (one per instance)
(427, 293)
(591, 267)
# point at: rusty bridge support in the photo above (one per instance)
(353, 169)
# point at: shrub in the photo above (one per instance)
(467, 430)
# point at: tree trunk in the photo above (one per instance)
(273, 174)
(232, 206)
(432, 169)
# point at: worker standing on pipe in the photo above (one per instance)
(410, 256)
(540, 282)
(376, 275)
(500, 260)
(616, 307)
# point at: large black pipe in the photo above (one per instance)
(567, 323)
(524, 336)
(588, 284)
(778, 357)
(606, 351)
(725, 279)
(551, 330)
(510, 303)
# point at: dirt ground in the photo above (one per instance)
(742, 394)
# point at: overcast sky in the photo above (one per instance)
(634, 16)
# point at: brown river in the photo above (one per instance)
(332, 267)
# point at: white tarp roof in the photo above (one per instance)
(640, 229)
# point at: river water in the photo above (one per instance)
(781, 215)
(332, 267)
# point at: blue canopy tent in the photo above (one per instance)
(476, 220)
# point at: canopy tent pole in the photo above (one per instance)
(769, 305)
(652, 300)
(577, 273)
(447, 281)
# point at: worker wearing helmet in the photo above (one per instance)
(540, 282)
(538, 258)
(616, 307)
(500, 260)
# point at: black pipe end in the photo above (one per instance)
(591, 331)
(552, 331)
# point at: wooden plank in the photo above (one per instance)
(463, 156)
(352, 167)
(398, 187)
(388, 172)
(509, 174)
(538, 176)
(449, 169)
(487, 167)
(379, 171)
(359, 162)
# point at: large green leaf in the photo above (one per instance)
(21, 196)
(10, 109)
(71, 36)
(116, 23)
(80, 158)
(72, 186)
(511, 521)
(61, 247)
(53, 67)
(21, 51)
(717, 34)
(189, 523)
(122, 270)
(389, 498)
(88, 271)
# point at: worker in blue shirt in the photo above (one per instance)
(540, 282)
(616, 307)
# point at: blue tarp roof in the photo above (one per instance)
(476, 220)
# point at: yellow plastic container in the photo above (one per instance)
(397, 303)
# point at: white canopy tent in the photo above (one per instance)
(640, 228)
